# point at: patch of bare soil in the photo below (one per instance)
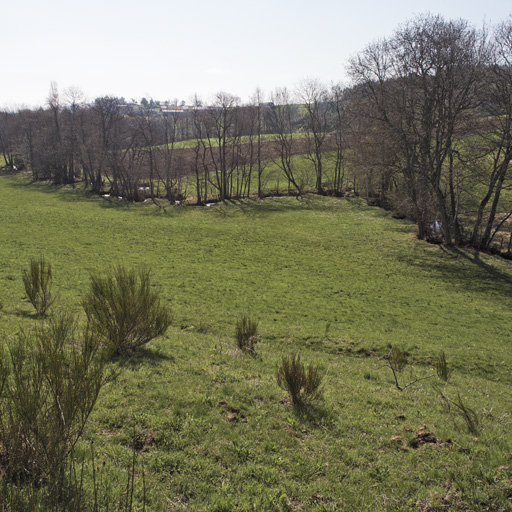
(424, 437)
(233, 413)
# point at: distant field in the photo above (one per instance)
(332, 278)
(184, 157)
(274, 181)
(190, 143)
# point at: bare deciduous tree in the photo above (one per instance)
(316, 125)
(495, 134)
(420, 86)
(283, 120)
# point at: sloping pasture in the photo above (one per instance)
(329, 277)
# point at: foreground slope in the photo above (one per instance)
(330, 277)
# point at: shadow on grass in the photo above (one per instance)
(272, 205)
(144, 356)
(462, 267)
(25, 313)
(251, 207)
(67, 193)
(314, 415)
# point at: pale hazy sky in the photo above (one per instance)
(168, 49)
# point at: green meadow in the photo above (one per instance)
(207, 428)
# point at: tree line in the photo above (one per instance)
(134, 153)
(424, 128)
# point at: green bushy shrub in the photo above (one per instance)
(124, 310)
(50, 380)
(38, 284)
(300, 382)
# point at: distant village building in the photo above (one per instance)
(172, 111)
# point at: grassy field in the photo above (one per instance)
(332, 278)
(191, 143)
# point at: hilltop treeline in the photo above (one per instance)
(425, 129)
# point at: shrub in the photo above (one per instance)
(468, 415)
(38, 283)
(122, 307)
(442, 369)
(397, 361)
(50, 380)
(300, 383)
(246, 333)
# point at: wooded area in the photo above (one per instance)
(425, 129)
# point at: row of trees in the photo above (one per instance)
(133, 153)
(97, 143)
(235, 143)
(425, 128)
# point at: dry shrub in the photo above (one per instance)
(443, 370)
(397, 359)
(468, 415)
(246, 333)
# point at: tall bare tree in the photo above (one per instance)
(339, 134)
(283, 119)
(316, 126)
(222, 135)
(420, 86)
(495, 135)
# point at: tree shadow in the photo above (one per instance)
(25, 313)
(272, 205)
(68, 193)
(112, 202)
(447, 264)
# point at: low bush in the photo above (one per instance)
(38, 284)
(301, 383)
(246, 333)
(397, 361)
(468, 415)
(50, 380)
(443, 370)
(124, 310)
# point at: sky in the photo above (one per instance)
(166, 50)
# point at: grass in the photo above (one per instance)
(213, 431)
(192, 143)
